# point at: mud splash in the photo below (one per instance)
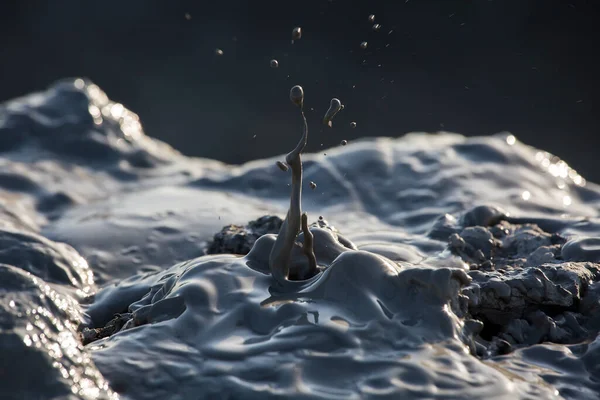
(435, 276)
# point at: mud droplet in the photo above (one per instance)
(335, 106)
(188, 16)
(219, 52)
(344, 142)
(274, 63)
(352, 124)
(313, 185)
(297, 95)
(376, 27)
(372, 18)
(282, 166)
(363, 45)
(296, 33)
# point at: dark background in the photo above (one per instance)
(474, 67)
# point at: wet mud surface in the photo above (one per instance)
(428, 266)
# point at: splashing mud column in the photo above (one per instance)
(280, 257)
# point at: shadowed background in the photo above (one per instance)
(473, 67)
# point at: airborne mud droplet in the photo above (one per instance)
(297, 96)
(296, 34)
(344, 142)
(313, 185)
(363, 45)
(274, 63)
(352, 124)
(372, 18)
(282, 166)
(219, 52)
(334, 107)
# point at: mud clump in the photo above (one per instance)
(88, 335)
(237, 239)
(523, 289)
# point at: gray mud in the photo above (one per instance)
(444, 267)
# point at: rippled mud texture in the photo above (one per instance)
(447, 268)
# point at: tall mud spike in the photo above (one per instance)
(280, 257)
